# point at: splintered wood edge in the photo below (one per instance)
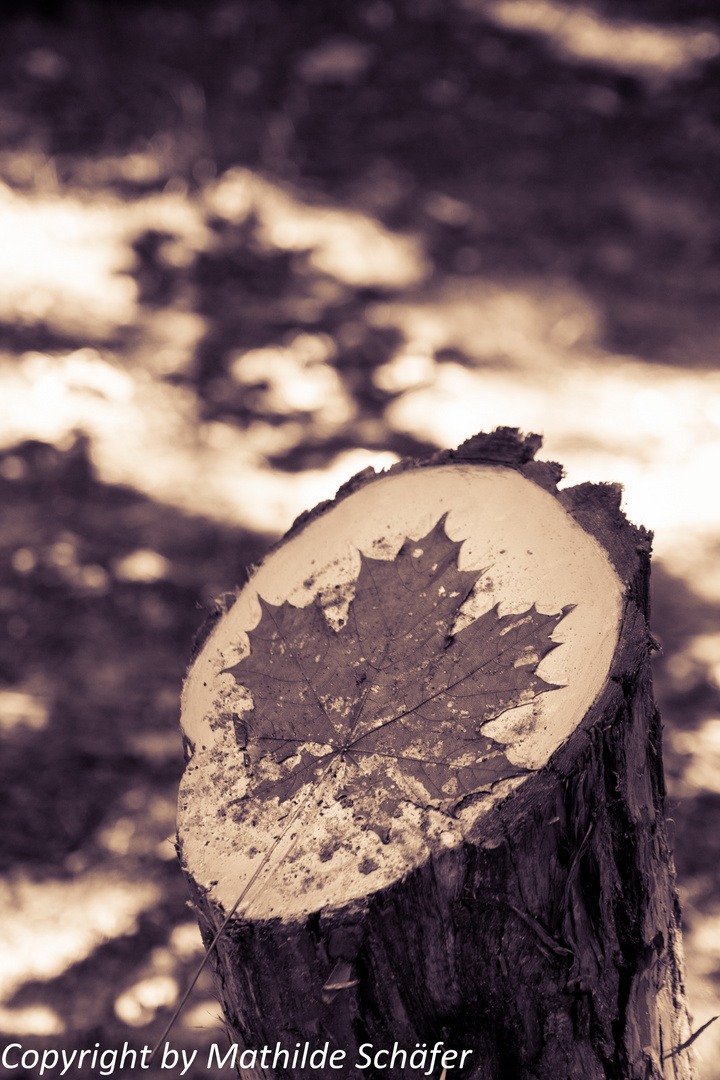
(512, 529)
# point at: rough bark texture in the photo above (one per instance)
(548, 944)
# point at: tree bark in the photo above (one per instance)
(531, 928)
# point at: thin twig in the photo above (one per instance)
(690, 1041)
(265, 859)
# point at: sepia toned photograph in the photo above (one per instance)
(360, 529)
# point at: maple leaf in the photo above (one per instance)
(394, 695)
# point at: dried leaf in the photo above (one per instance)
(394, 698)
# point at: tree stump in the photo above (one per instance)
(422, 747)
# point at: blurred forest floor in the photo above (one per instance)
(248, 248)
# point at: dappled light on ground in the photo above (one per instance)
(583, 33)
(48, 926)
(346, 245)
(468, 353)
(66, 256)
(66, 259)
(148, 434)
(19, 709)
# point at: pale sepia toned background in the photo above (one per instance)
(248, 248)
